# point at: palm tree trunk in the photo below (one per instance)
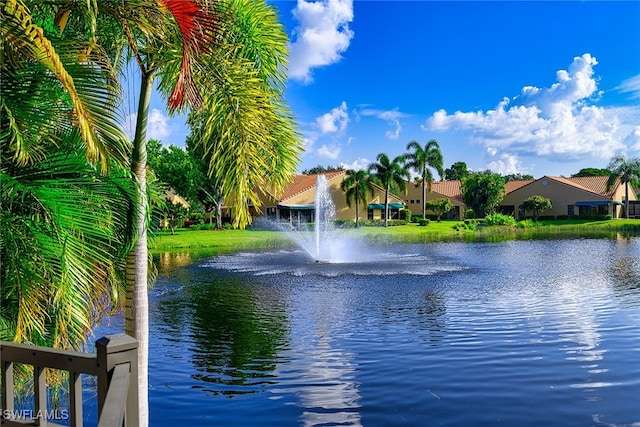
(357, 206)
(424, 196)
(386, 207)
(136, 304)
(626, 200)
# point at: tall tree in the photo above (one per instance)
(208, 193)
(167, 39)
(392, 175)
(422, 159)
(319, 169)
(517, 177)
(356, 185)
(483, 192)
(176, 168)
(627, 171)
(457, 171)
(591, 172)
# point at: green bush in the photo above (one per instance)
(499, 219)
(346, 223)
(424, 222)
(469, 214)
(527, 223)
(405, 214)
(196, 218)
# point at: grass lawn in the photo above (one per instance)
(225, 241)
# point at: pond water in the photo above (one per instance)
(524, 333)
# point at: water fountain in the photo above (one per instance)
(333, 251)
(323, 241)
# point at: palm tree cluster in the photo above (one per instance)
(393, 174)
(74, 210)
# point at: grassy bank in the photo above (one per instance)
(225, 241)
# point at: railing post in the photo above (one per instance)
(7, 386)
(113, 350)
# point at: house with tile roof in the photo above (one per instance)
(296, 203)
(451, 190)
(569, 196)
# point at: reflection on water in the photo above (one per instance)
(236, 336)
(440, 334)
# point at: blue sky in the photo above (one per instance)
(542, 88)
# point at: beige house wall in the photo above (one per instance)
(413, 200)
(343, 211)
(561, 195)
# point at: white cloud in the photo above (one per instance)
(158, 125)
(633, 140)
(632, 86)
(559, 122)
(321, 37)
(358, 164)
(391, 116)
(335, 121)
(309, 141)
(329, 151)
(507, 164)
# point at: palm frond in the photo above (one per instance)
(63, 233)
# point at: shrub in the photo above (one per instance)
(536, 205)
(346, 223)
(196, 218)
(527, 223)
(405, 215)
(423, 222)
(469, 214)
(499, 219)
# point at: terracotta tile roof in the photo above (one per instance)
(450, 189)
(592, 184)
(302, 183)
(515, 184)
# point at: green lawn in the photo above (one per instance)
(225, 241)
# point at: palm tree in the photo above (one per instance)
(356, 184)
(223, 62)
(168, 39)
(245, 129)
(627, 171)
(421, 160)
(64, 235)
(64, 186)
(392, 175)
